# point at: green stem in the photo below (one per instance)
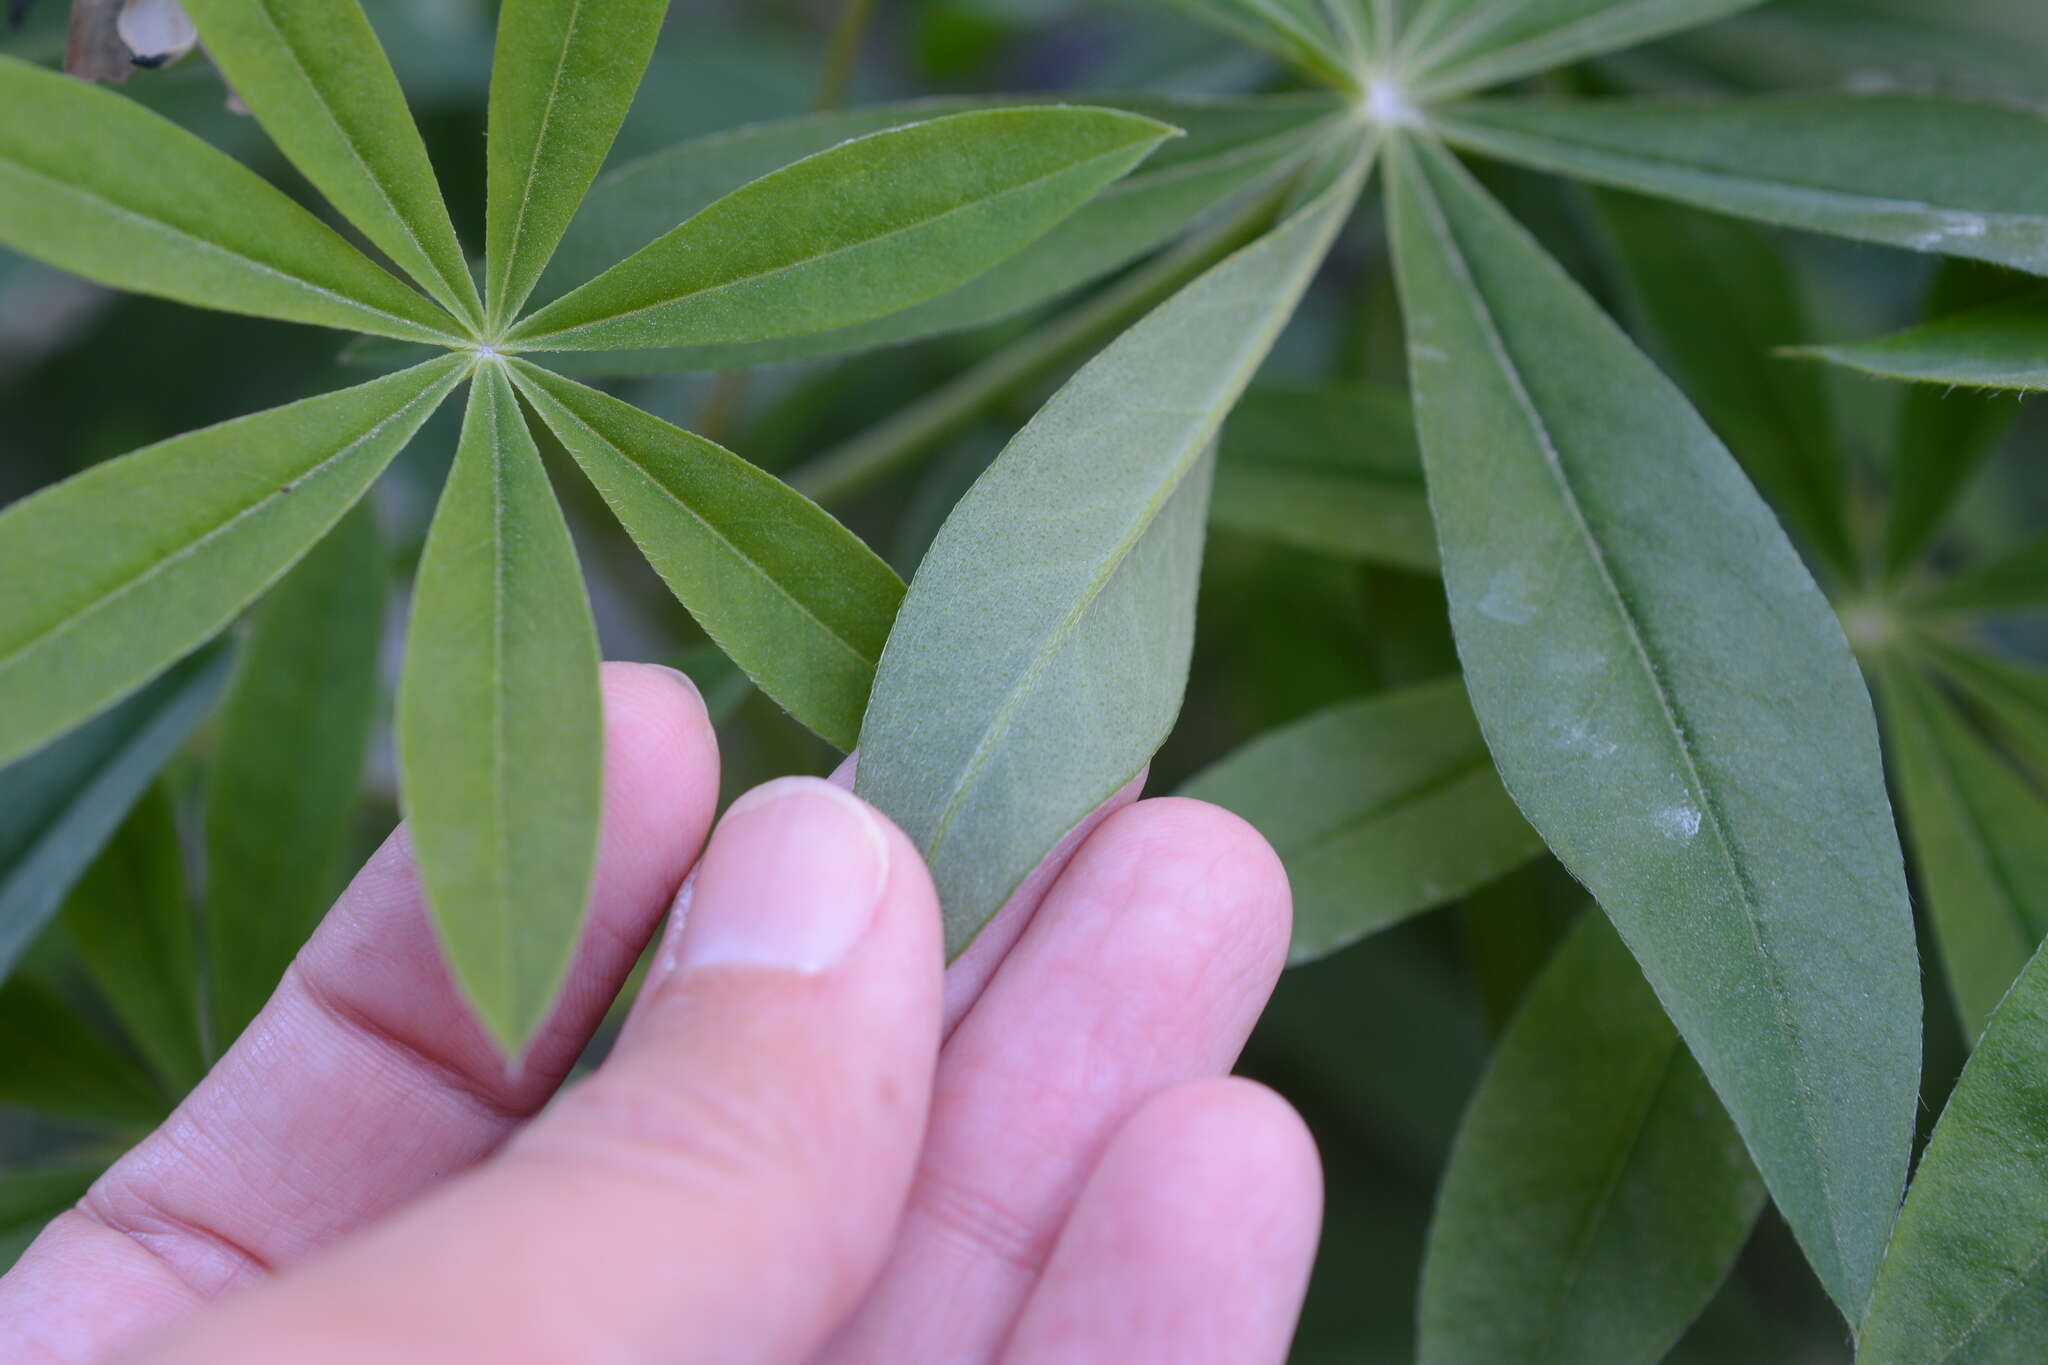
(847, 35)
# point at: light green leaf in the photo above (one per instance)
(287, 765)
(52, 1062)
(1040, 656)
(1331, 470)
(318, 81)
(2016, 581)
(1232, 144)
(500, 723)
(871, 226)
(59, 807)
(562, 79)
(118, 571)
(1710, 299)
(1597, 1194)
(1380, 809)
(129, 922)
(1963, 1283)
(1460, 45)
(1924, 174)
(793, 597)
(1672, 704)
(94, 183)
(2013, 699)
(2001, 345)
(31, 1196)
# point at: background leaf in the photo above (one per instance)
(2001, 345)
(1291, 30)
(2014, 581)
(1597, 1194)
(1458, 45)
(31, 1196)
(500, 723)
(119, 571)
(1380, 809)
(1672, 704)
(54, 1063)
(2015, 699)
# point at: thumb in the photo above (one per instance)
(724, 1187)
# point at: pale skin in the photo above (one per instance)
(812, 1143)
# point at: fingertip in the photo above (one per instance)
(1246, 1132)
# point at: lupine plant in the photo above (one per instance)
(1671, 591)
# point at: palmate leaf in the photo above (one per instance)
(1671, 702)
(1041, 653)
(1979, 835)
(1963, 1280)
(1597, 1194)
(1231, 146)
(117, 572)
(318, 81)
(788, 593)
(287, 764)
(2014, 700)
(1458, 45)
(1925, 174)
(1380, 809)
(500, 723)
(1295, 31)
(31, 1196)
(53, 1063)
(862, 230)
(2002, 345)
(2016, 581)
(59, 807)
(95, 184)
(562, 78)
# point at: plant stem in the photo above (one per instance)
(847, 35)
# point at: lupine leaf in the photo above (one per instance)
(562, 78)
(1040, 655)
(2013, 699)
(1671, 702)
(31, 1196)
(59, 807)
(1459, 45)
(1597, 1194)
(2012, 582)
(54, 1063)
(94, 183)
(1380, 809)
(500, 723)
(789, 594)
(117, 572)
(318, 81)
(2001, 345)
(871, 226)
(1291, 30)
(287, 765)
(1925, 174)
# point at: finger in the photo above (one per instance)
(724, 1186)
(1146, 966)
(1192, 1240)
(365, 1079)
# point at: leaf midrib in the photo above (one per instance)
(501, 275)
(1393, 803)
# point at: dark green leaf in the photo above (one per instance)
(1041, 653)
(2001, 345)
(1292, 30)
(793, 597)
(1597, 1194)
(1672, 704)
(500, 723)
(115, 573)
(870, 227)
(1460, 45)
(1380, 808)
(2013, 699)
(54, 1063)
(31, 1196)
(2011, 582)
(287, 765)
(98, 185)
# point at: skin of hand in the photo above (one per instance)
(811, 1143)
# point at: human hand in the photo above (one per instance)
(810, 1143)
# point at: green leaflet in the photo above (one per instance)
(1041, 653)
(31, 1196)
(1980, 842)
(2012, 582)
(129, 922)
(318, 81)
(793, 597)
(1459, 45)
(120, 570)
(287, 764)
(1672, 704)
(1597, 1194)
(2013, 699)
(59, 807)
(52, 1062)
(500, 723)
(562, 79)
(1292, 30)
(1380, 808)
(95, 184)
(1924, 174)
(2001, 345)
(854, 233)
(1963, 1281)
(1331, 470)
(1231, 145)
(1711, 299)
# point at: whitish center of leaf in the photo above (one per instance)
(1870, 626)
(1386, 103)
(486, 353)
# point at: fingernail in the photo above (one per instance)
(790, 881)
